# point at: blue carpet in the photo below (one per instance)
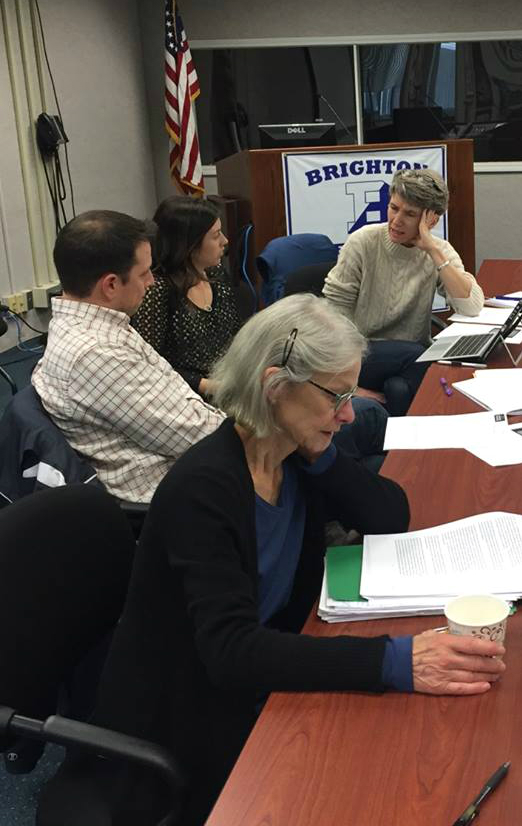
(19, 793)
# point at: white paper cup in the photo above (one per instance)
(481, 615)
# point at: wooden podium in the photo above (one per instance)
(256, 176)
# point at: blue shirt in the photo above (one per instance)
(279, 532)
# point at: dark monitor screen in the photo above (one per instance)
(419, 123)
(277, 135)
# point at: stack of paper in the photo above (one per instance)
(341, 601)
(499, 390)
(416, 573)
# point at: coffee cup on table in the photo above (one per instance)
(481, 615)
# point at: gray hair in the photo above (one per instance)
(325, 342)
(422, 188)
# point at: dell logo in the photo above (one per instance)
(292, 130)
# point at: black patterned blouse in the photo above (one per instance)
(189, 338)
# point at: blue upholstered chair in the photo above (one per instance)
(282, 256)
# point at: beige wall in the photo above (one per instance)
(227, 19)
(498, 215)
(96, 57)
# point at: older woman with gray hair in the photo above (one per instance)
(230, 562)
(385, 280)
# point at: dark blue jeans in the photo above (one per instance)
(363, 439)
(390, 368)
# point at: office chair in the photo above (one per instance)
(282, 256)
(102, 742)
(309, 279)
(65, 561)
(37, 456)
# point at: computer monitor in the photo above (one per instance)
(277, 135)
(419, 123)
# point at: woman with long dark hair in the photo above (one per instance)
(190, 314)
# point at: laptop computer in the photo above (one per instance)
(473, 347)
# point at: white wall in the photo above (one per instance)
(96, 57)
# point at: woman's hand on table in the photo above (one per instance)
(450, 664)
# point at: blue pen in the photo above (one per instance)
(507, 298)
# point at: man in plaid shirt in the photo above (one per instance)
(117, 401)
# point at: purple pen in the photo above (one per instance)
(445, 386)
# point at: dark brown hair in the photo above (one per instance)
(182, 223)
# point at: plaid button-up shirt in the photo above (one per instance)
(117, 401)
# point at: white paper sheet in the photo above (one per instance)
(427, 432)
(499, 390)
(478, 554)
(486, 435)
(488, 315)
(504, 450)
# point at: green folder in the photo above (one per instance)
(343, 572)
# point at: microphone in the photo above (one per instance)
(341, 121)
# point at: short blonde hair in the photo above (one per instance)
(325, 342)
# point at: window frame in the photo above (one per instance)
(435, 37)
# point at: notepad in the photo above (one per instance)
(343, 572)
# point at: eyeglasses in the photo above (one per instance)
(340, 398)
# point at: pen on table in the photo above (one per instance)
(445, 386)
(506, 298)
(460, 363)
(490, 786)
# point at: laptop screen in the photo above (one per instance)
(513, 320)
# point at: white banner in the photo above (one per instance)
(336, 193)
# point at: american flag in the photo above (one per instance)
(181, 88)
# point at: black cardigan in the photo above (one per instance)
(190, 660)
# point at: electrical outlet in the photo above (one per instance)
(42, 295)
(19, 302)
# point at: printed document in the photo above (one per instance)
(473, 555)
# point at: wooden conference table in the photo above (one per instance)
(348, 759)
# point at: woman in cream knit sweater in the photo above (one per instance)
(385, 280)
